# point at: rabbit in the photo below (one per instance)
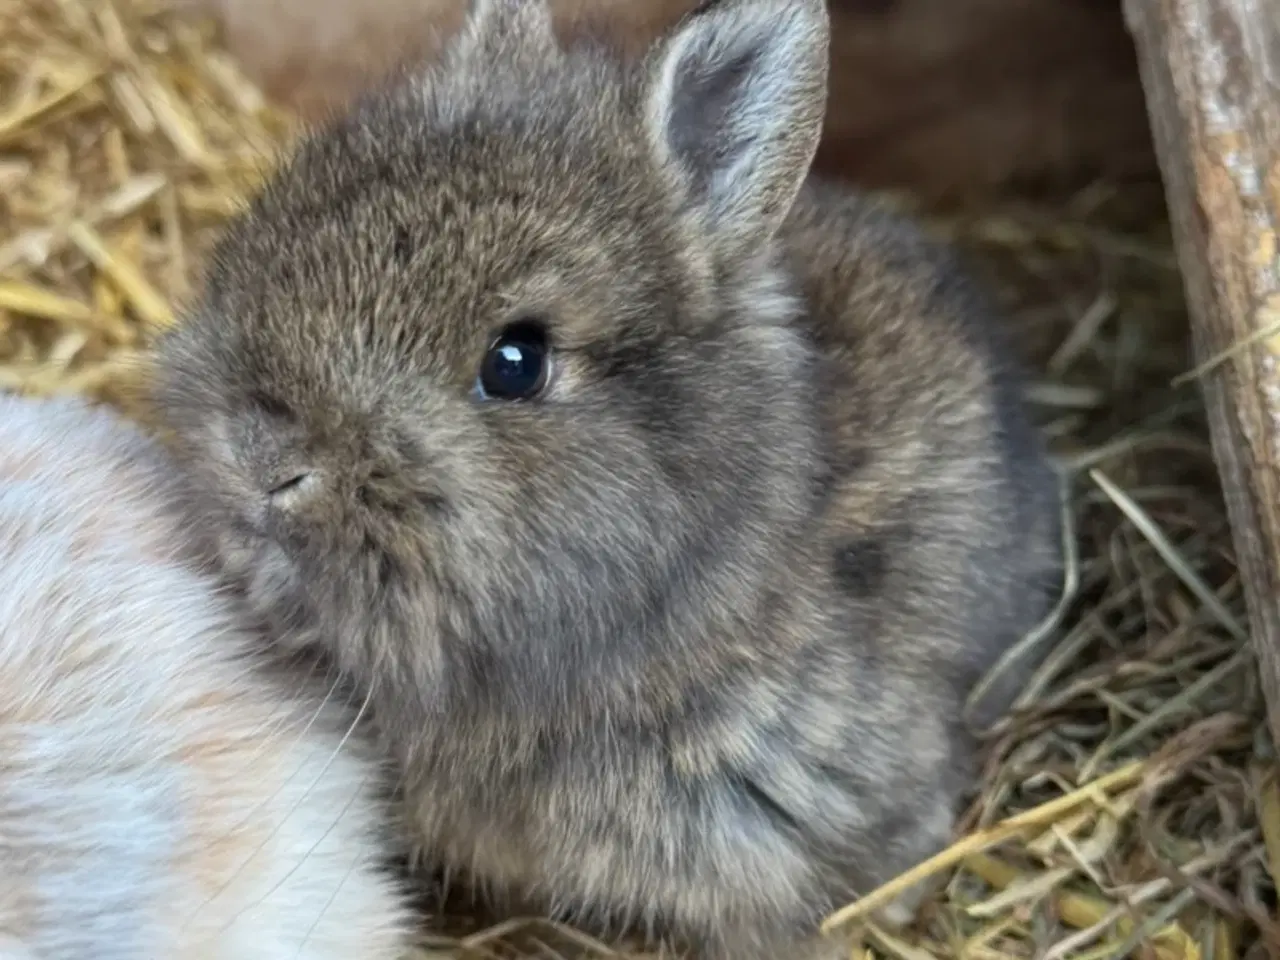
(666, 501)
(161, 796)
(942, 97)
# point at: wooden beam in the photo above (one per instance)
(1211, 71)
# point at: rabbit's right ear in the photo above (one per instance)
(734, 101)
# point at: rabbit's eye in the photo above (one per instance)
(517, 364)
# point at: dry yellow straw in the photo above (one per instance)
(1081, 911)
(1006, 829)
(1269, 820)
(25, 298)
(150, 305)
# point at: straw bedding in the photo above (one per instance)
(1129, 807)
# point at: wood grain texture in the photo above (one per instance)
(1211, 71)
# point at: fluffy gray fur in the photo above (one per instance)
(684, 640)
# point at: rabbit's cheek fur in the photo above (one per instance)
(652, 499)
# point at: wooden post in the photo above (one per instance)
(1211, 71)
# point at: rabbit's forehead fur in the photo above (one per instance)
(414, 229)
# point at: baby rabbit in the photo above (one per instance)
(667, 506)
(159, 797)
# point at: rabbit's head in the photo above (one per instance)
(503, 360)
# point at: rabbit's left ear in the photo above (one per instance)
(734, 101)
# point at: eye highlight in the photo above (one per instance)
(517, 364)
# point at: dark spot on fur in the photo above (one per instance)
(402, 245)
(851, 459)
(383, 564)
(386, 571)
(861, 564)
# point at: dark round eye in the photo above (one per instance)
(517, 364)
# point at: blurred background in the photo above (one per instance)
(940, 96)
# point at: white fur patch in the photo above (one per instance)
(158, 798)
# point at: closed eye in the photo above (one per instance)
(291, 484)
(295, 490)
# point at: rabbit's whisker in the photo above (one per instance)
(334, 754)
(254, 814)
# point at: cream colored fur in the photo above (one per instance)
(159, 797)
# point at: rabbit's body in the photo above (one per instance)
(675, 627)
(159, 796)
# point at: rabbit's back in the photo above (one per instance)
(159, 796)
(940, 512)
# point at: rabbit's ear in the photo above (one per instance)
(734, 101)
(493, 25)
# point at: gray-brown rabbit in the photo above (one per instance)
(668, 507)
